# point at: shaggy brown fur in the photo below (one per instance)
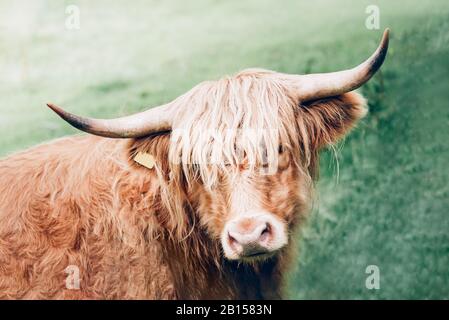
(138, 233)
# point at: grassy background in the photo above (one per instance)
(389, 204)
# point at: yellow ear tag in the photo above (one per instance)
(145, 159)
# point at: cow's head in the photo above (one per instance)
(244, 148)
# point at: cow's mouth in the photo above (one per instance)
(257, 256)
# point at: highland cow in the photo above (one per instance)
(200, 199)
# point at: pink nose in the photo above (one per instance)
(249, 237)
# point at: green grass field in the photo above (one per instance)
(382, 201)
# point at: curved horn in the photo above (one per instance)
(154, 120)
(321, 85)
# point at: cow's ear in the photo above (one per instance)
(328, 120)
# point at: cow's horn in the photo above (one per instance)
(321, 85)
(141, 124)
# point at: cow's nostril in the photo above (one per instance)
(232, 240)
(267, 229)
(266, 232)
(235, 243)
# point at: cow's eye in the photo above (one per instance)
(281, 151)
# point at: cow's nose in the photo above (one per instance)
(249, 237)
